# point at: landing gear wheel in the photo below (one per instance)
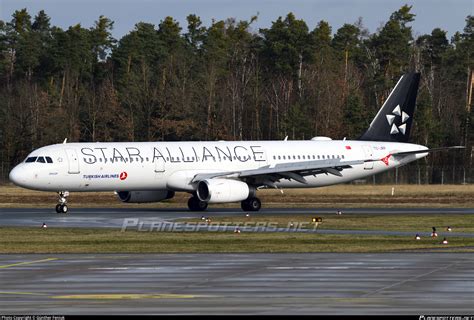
(61, 207)
(194, 204)
(251, 204)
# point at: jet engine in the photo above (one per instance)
(144, 196)
(222, 190)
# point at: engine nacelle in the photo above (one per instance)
(144, 196)
(222, 190)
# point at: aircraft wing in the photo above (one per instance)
(297, 171)
(292, 170)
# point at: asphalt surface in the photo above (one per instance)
(311, 283)
(120, 217)
(321, 283)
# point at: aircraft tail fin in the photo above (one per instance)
(393, 121)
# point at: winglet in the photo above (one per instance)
(65, 141)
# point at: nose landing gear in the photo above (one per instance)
(61, 207)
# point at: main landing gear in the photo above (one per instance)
(61, 207)
(194, 204)
(251, 204)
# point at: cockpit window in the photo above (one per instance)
(40, 160)
(49, 160)
(31, 159)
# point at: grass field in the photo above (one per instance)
(386, 222)
(461, 196)
(77, 240)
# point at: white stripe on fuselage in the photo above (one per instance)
(172, 165)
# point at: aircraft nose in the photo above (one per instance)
(18, 176)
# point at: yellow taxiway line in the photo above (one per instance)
(23, 293)
(26, 263)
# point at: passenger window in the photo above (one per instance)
(319, 157)
(299, 157)
(40, 160)
(342, 156)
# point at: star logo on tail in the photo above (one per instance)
(397, 112)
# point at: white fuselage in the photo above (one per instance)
(134, 166)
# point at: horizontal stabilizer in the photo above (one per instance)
(427, 150)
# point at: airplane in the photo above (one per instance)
(226, 171)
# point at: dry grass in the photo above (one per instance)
(69, 240)
(387, 222)
(461, 196)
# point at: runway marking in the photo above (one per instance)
(26, 263)
(398, 283)
(308, 268)
(23, 293)
(127, 268)
(120, 296)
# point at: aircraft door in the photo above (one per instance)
(73, 161)
(368, 155)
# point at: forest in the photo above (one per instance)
(227, 81)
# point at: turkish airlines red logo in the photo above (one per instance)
(385, 159)
(123, 175)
